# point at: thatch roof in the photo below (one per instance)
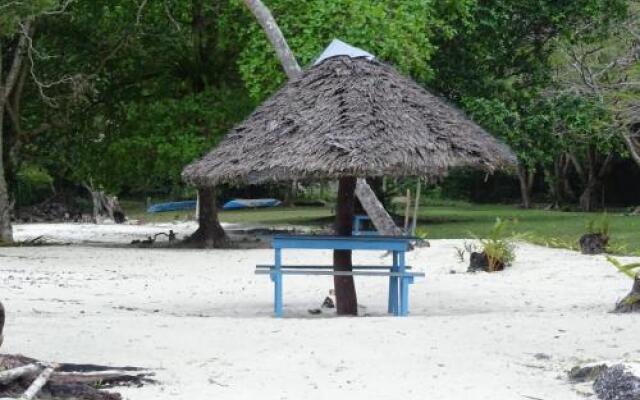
(349, 117)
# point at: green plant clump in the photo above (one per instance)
(599, 225)
(498, 246)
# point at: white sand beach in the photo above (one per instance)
(203, 321)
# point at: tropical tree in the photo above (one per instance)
(504, 55)
(18, 23)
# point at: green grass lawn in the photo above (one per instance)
(552, 228)
(458, 220)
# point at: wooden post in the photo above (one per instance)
(415, 209)
(407, 211)
(347, 303)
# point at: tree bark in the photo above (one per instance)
(6, 87)
(347, 303)
(525, 177)
(209, 233)
(594, 177)
(375, 210)
(6, 230)
(275, 36)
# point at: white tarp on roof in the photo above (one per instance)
(340, 48)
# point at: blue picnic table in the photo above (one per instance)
(399, 274)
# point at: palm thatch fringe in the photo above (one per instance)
(349, 117)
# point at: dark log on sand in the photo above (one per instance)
(39, 383)
(12, 374)
(67, 381)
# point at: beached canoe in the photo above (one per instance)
(237, 204)
(172, 206)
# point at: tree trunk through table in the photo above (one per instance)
(347, 303)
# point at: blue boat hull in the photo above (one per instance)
(172, 206)
(238, 204)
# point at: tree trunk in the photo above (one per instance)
(6, 231)
(347, 303)
(209, 233)
(275, 36)
(525, 177)
(6, 87)
(588, 198)
(594, 178)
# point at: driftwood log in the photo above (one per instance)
(22, 376)
(104, 205)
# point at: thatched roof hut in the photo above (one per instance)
(349, 117)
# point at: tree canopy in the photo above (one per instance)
(125, 93)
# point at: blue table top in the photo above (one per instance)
(378, 242)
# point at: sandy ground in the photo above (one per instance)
(203, 320)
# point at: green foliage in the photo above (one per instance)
(161, 90)
(498, 245)
(145, 151)
(12, 13)
(599, 225)
(628, 269)
(398, 31)
(155, 87)
(505, 48)
(33, 184)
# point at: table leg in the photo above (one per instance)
(393, 286)
(404, 286)
(404, 311)
(277, 301)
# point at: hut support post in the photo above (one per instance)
(347, 303)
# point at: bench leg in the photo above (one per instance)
(393, 287)
(404, 294)
(277, 285)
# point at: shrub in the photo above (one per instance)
(498, 246)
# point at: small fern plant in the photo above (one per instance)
(628, 269)
(599, 225)
(498, 246)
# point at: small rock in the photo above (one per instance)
(617, 383)
(587, 373)
(631, 302)
(594, 243)
(328, 303)
(480, 262)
